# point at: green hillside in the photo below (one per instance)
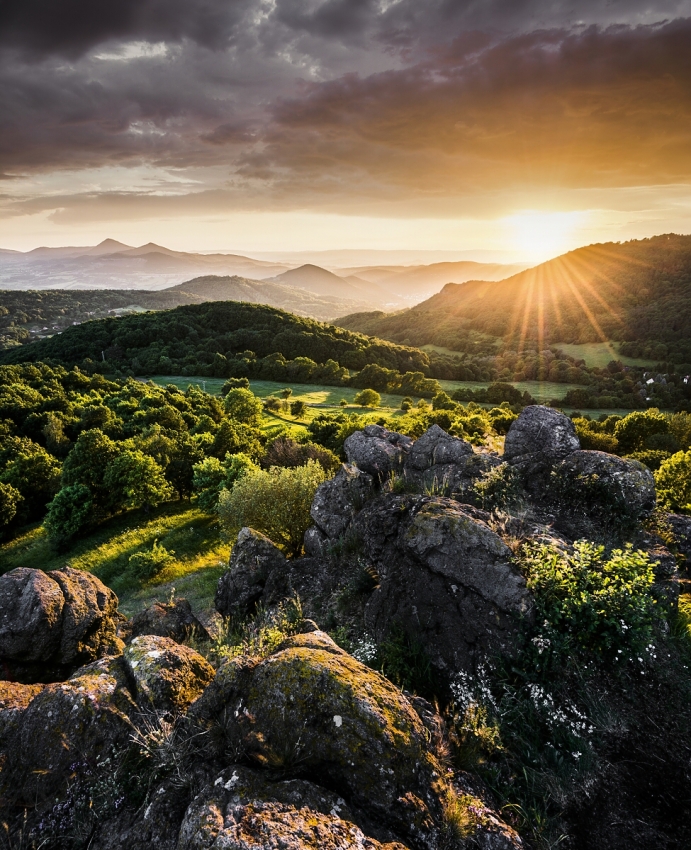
(215, 339)
(637, 294)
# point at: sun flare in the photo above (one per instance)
(539, 236)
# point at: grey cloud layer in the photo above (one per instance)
(304, 100)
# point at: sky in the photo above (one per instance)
(516, 129)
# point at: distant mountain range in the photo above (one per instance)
(116, 266)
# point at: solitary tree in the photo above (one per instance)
(368, 398)
(242, 405)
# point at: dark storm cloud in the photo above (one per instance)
(401, 99)
(71, 27)
(595, 107)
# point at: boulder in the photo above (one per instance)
(536, 441)
(174, 620)
(444, 577)
(52, 623)
(436, 447)
(377, 451)
(313, 705)
(337, 501)
(66, 727)
(245, 810)
(167, 676)
(241, 586)
(316, 542)
(601, 497)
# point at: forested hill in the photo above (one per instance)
(637, 293)
(214, 338)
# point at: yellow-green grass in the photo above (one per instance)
(599, 354)
(319, 399)
(200, 555)
(595, 354)
(540, 390)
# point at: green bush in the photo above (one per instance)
(633, 430)
(673, 483)
(589, 605)
(652, 458)
(368, 398)
(148, 564)
(70, 511)
(499, 488)
(298, 409)
(10, 499)
(276, 502)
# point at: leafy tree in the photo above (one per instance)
(10, 499)
(368, 398)
(136, 481)
(234, 383)
(633, 430)
(286, 393)
(298, 409)
(71, 510)
(673, 483)
(287, 452)
(233, 437)
(243, 406)
(87, 462)
(36, 475)
(276, 502)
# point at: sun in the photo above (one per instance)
(540, 236)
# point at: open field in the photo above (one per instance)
(200, 555)
(595, 354)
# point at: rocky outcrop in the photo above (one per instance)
(444, 577)
(601, 497)
(52, 623)
(166, 676)
(239, 589)
(338, 500)
(540, 438)
(681, 529)
(377, 451)
(311, 706)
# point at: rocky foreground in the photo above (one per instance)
(117, 734)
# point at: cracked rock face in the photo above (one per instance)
(241, 586)
(338, 500)
(537, 440)
(444, 576)
(52, 623)
(377, 451)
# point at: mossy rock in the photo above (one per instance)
(167, 676)
(311, 706)
(246, 810)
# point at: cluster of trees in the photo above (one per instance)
(76, 449)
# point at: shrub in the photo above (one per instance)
(233, 384)
(587, 604)
(276, 502)
(70, 511)
(298, 409)
(368, 398)
(288, 453)
(10, 498)
(633, 430)
(443, 401)
(499, 488)
(212, 475)
(652, 458)
(501, 418)
(148, 564)
(673, 483)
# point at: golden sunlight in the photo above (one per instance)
(539, 236)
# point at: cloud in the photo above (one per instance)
(454, 105)
(556, 108)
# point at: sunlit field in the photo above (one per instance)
(200, 556)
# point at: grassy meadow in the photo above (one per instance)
(200, 555)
